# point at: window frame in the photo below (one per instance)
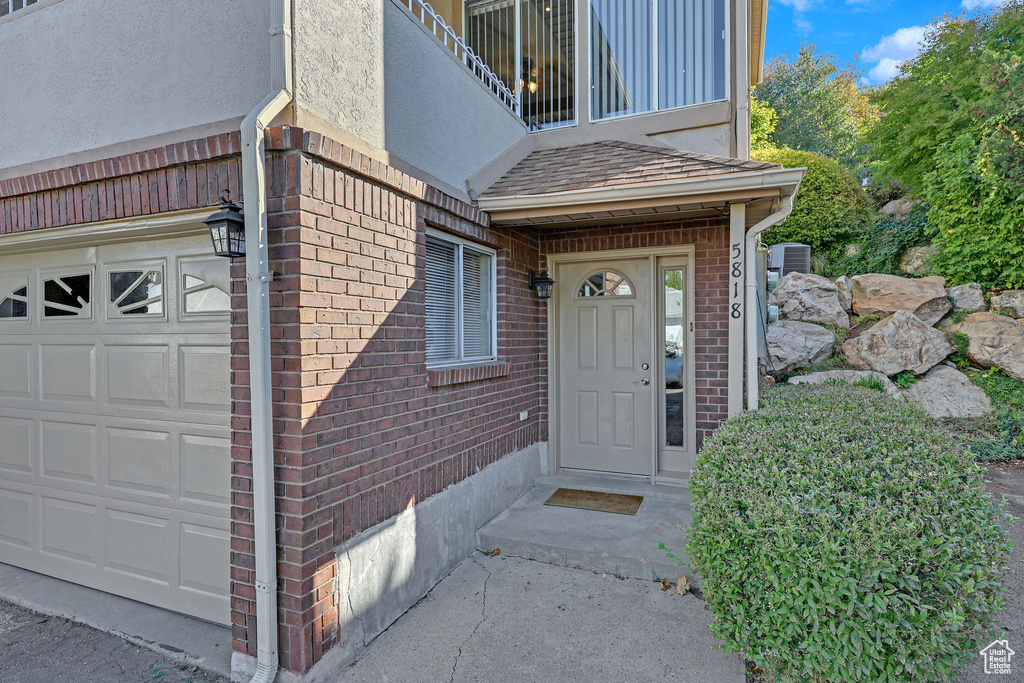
(655, 48)
(461, 244)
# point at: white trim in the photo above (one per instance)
(652, 254)
(162, 225)
(785, 180)
(461, 244)
(690, 361)
(737, 294)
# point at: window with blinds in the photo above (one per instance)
(460, 301)
(649, 55)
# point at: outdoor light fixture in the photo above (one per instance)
(542, 283)
(227, 229)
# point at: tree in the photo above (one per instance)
(937, 96)
(821, 108)
(763, 121)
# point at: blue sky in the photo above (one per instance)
(883, 32)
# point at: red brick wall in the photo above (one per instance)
(710, 238)
(360, 434)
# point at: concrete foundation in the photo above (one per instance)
(385, 570)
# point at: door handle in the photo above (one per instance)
(644, 382)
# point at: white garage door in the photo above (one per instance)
(114, 420)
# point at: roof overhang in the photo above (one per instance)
(758, 31)
(664, 198)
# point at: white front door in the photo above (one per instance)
(115, 407)
(606, 372)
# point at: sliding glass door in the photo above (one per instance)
(530, 45)
(649, 55)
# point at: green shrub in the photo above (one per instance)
(905, 379)
(1005, 392)
(843, 536)
(831, 209)
(884, 242)
(870, 382)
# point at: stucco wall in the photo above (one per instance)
(84, 74)
(369, 68)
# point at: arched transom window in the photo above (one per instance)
(605, 283)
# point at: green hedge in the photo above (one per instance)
(842, 536)
(831, 209)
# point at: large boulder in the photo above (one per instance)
(947, 392)
(849, 377)
(915, 260)
(996, 341)
(899, 208)
(885, 294)
(845, 287)
(898, 343)
(810, 299)
(793, 345)
(967, 297)
(1011, 302)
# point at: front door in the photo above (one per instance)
(605, 366)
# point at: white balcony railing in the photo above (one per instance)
(11, 6)
(447, 35)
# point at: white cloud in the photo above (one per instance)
(891, 51)
(971, 4)
(804, 5)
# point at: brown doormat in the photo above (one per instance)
(595, 500)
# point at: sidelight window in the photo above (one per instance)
(460, 301)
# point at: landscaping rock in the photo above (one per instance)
(967, 297)
(899, 208)
(915, 260)
(1011, 302)
(794, 345)
(810, 299)
(898, 343)
(996, 341)
(885, 294)
(850, 377)
(947, 392)
(845, 287)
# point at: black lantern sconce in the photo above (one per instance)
(227, 229)
(542, 283)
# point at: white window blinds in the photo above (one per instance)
(459, 302)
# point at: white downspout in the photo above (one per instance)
(752, 303)
(257, 278)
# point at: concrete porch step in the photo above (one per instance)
(620, 545)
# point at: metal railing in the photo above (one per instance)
(11, 6)
(447, 35)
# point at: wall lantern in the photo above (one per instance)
(542, 283)
(227, 229)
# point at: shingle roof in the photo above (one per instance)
(610, 164)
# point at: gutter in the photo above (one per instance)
(769, 179)
(776, 217)
(257, 279)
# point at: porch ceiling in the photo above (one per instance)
(617, 182)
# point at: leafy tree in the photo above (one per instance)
(763, 121)
(938, 95)
(831, 209)
(821, 107)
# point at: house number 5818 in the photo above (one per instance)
(737, 274)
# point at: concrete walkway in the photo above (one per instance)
(509, 619)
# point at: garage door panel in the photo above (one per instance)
(139, 545)
(69, 530)
(139, 460)
(16, 445)
(17, 512)
(115, 424)
(68, 450)
(202, 477)
(205, 378)
(17, 364)
(137, 375)
(68, 373)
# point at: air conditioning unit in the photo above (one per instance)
(789, 257)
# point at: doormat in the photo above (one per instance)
(595, 500)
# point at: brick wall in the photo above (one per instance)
(362, 430)
(710, 238)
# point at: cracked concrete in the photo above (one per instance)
(509, 619)
(36, 648)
